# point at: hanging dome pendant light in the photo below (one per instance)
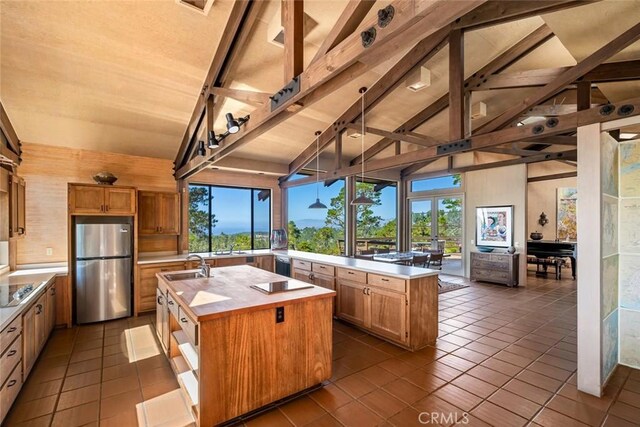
(362, 199)
(318, 204)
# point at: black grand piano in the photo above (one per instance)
(550, 248)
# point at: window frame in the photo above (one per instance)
(253, 190)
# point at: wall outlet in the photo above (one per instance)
(49, 251)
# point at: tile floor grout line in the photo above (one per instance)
(64, 377)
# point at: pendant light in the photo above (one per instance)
(362, 199)
(318, 204)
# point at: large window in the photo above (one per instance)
(377, 225)
(440, 183)
(317, 230)
(222, 217)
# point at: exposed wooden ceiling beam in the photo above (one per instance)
(510, 151)
(530, 42)
(418, 19)
(567, 77)
(293, 23)
(609, 72)
(557, 140)
(423, 140)
(257, 99)
(352, 15)
(457, 110)
(553, 176)
(12, 138)
(565, 124)
(502, 11)
(384, 85)
(242, 16)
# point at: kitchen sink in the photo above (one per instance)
(184, 276)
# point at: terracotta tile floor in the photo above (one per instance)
(505, 357)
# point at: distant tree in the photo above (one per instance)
(367, 222)
(294, 234)
(199, 219)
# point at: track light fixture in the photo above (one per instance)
(201, 150)
(232, 124)
(214, 142)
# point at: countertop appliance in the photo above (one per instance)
(11, 295)
(103, 266)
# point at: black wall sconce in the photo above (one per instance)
(543, 219)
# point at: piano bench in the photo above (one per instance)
(557, 263)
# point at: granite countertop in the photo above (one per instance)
(228, 291)
(37, 277)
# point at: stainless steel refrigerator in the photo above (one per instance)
(102, 270)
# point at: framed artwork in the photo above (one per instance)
(566, 224)
(494, 226)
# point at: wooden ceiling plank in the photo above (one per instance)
(565, 124)
(257, 99)
(233, 26)
(501, 11)
(11, 135)
(423, 140)
(429, 16)
(350, 18)
(384, 85)
(530, 42)
(293, 23)
(567, 77)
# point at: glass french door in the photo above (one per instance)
(436, 223)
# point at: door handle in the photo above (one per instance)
(39, 308)
(159, 299)
(364, 291)
(11, 353)
(368, 291)
(12, 329)
(11, 383)
(183, 320)
(107, 208)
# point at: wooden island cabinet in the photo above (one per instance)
(235, 349)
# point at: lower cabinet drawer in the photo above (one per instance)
(301, 265)
(188, 326)
(10, 333)
(10, 391)
(10, 359)
(328, 270)
(489, 275)
(390, 283)
(352, 275)
(173, 306)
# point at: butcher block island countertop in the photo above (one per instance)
(236, 349)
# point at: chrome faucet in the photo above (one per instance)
(205, 269)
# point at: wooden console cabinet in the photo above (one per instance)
(495, 268)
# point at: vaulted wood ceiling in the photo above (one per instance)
(125, 76)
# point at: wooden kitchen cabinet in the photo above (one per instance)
(352, 302)
(387, 313)
(158, 213)
(33, 333)
(17, 207)
(50, 308)
(100, 199)
(145, 290)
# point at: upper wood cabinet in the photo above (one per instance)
(17, 207)
(158, 213)
(98, 199)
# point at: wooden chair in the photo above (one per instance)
(435, 259)
(421, 260)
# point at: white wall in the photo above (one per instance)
(499, 186)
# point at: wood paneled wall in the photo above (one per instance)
(47, 170)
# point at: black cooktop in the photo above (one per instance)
(11, 295)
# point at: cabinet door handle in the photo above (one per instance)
(39, 308)
(101, 208)
(159, 299)
(364, 291)
(106, 208)
(368, 291)
(12, 329)
(350, 272)
(11, 383)
(170, 303)
(11, 353)
(183, 320)
(384, 280)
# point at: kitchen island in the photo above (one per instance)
(236, 349)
